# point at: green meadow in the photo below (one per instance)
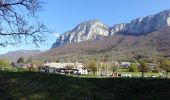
(45, 86)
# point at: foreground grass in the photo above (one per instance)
(44, 86)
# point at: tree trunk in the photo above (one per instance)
(166, 74)
(93, 72)
(142, 74)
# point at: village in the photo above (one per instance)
(95, 69)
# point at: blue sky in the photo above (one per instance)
(64, 15)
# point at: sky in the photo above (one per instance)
(63, 15)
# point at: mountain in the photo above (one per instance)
(88, 30)
(115, 47)
(143, 25)
(14, 55)
(95, 30)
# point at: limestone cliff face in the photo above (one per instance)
(88, 30)
(94, 29)
(143, 25)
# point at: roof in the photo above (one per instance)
(15, 64)
(63, 65)
(125, 63)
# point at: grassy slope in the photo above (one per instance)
(42, 86)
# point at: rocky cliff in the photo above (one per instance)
(94, 29)
(143, 25)
(88, 30)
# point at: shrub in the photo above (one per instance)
(4, 63)
(133, 68)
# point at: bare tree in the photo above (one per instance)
(19, 22)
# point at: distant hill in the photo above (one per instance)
(14, 55)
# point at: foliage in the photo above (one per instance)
(114, 67)
(29, 60)
(133, 68)
(37, 63)
(91, 65)
(143, 67)
(20, 60)
(165, 65)
(57, 61)
(4, 63)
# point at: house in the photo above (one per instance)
(125, 64)
(29, 65)
(64, 68)
(21, 65)
(17, 65)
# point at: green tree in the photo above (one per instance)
(92, 66)
(4, 63)
(165, 65)
(20, 60)
(37, 64)
(29, 60)
(57, 61)
(143, 67)
(133, 68)
(114, 67)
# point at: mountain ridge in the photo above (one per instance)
(14, 55)
(87, 30)
(116, 47)
(96, 30)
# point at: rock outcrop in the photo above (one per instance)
(94, 29)
(143, 25)
(88, 30)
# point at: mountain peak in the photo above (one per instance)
(87, 30)
(91, 21)
(94, 29)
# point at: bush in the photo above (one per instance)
(133, 68)
(4, 63)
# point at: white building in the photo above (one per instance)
(61, 67)
(125, 64)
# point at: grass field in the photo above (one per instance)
(148, 74)
(45, 86)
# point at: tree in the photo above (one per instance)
(29, 60)
(57, 61)
(143, 67)
(16, 27)
(165, 65)
(92, 66)
(114, 67)
(4, 63)
(133, 68)
(38, 64)
(20, 60)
